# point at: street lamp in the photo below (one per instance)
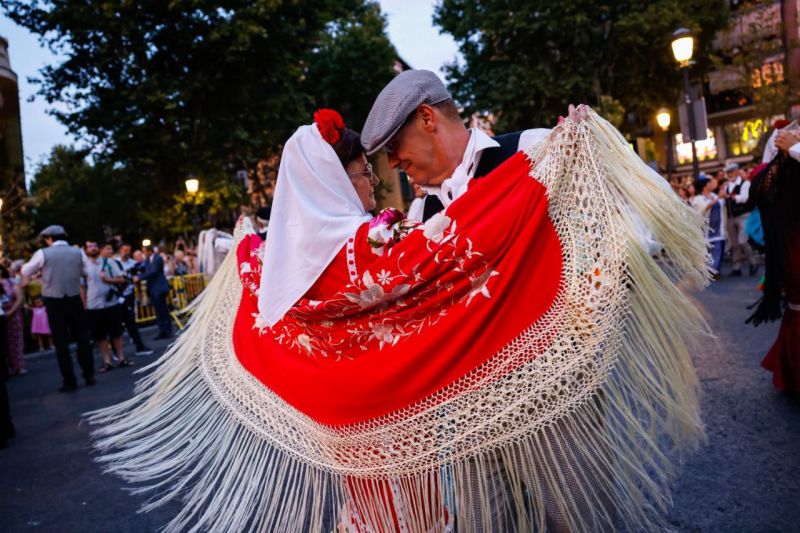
(683, 46)
(682, 49)
(146, 243)
(192, 185)
(663, 118)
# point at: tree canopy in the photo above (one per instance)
(526, 60)
(160, 90)
(90, 201)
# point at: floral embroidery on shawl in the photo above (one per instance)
(384, 305)
(248, 255)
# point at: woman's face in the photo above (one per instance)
(364, 181)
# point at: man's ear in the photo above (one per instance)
(427, 117)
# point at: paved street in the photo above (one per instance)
(746, 479)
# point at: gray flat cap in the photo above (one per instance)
(401, 97)
(731, 167)
(50, 231)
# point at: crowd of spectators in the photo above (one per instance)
(27, 325)
(733, 227)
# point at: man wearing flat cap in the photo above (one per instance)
(61, 266)
(415, 121)
(738, 209)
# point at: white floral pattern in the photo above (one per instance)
(376, 308)
(434, 229)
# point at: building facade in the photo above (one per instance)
(13, 193)
(755, 82)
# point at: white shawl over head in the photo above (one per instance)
(314, 211)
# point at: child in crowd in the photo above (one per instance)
(40, 326)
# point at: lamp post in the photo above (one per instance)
(664, 119)
(682, 49)
(192, 186)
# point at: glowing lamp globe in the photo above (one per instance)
(146, 242)
(682, 46)
(192, 185)
(663, 119)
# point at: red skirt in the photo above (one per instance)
(783, 359)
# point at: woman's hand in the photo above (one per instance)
(577, 114)
(785, 140)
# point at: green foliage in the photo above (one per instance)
(216, 204)
(526, 60)
(611, 109)
(90, 201)
(163, 89)
(352, 64)
(18, 238)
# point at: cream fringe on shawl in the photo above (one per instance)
(583, 438)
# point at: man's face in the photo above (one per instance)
(412, 151)
(138, 256)
(92, 250)
(125, 251)
(107, 251)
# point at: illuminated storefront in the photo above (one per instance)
(741, 138)
(706, 149)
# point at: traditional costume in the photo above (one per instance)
(519, 361)
(775, 191)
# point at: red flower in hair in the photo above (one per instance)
(330, 124)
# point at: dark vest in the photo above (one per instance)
(736, 209)
(491, 158)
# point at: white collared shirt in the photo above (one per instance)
(744, 189)
(457, 184)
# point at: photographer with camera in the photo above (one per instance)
(131, 269)
(105, 281)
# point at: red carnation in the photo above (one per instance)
(330, 124)
(780, 123)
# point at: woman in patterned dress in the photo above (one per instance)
(15, 323)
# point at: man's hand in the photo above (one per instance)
(785, 140)
(577, 114)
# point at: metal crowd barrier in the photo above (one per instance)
(182, 290)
